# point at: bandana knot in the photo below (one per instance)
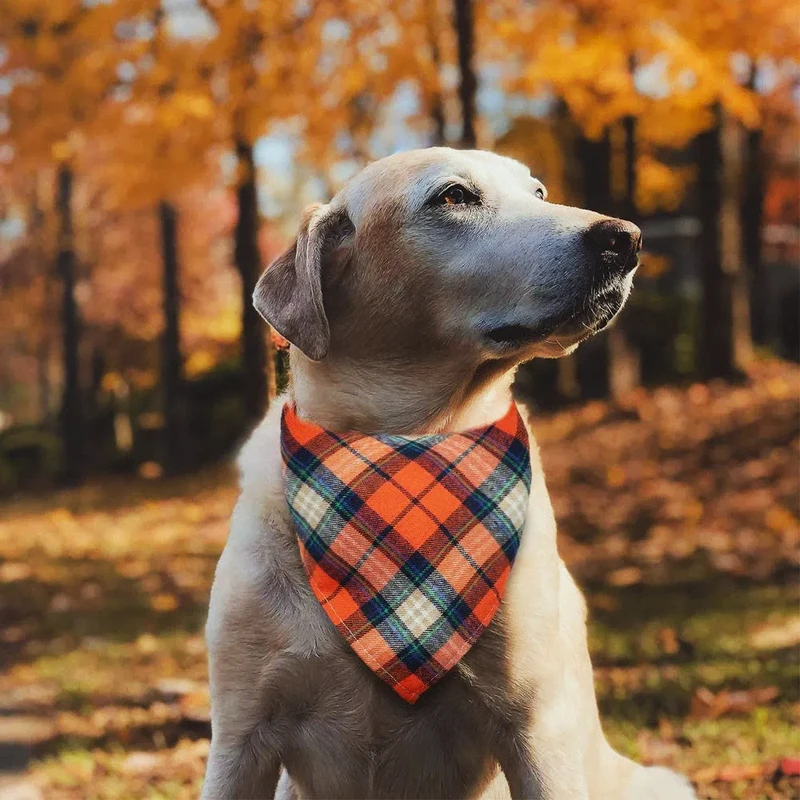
(408, 541)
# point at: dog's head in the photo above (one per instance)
(443, 250)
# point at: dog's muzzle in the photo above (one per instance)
(610, 254)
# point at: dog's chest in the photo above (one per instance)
(350, 735)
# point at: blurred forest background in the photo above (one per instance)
(155, 154)
(154, 158)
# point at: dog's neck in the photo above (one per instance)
(398, 398)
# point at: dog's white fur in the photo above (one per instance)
(544, 611)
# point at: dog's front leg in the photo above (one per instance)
(543, 765)
(536, 747)
(555, 767)
(244, 760)
(521, 774)
(550, 673)
(240, 770)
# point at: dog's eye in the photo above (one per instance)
(456, 196)
(539, 193)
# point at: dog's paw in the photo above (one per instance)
(659, 783)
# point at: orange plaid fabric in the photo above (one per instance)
(408, 541)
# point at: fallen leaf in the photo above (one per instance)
(164, 601)
(172, 689)
(615, 476)
(707, 705)
(150, 470)
(147, 643)
(730, 773)
(625, 576)
(775, 637)
(790, 766)
(604, 602)
(13, 571)
(668, 639)
(139, 762)
(673, 645)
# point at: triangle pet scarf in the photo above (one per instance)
(408, 541)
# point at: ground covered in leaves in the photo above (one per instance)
(678, 514)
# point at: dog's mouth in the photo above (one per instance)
(570, 328)
(514, 335)
(601, 310)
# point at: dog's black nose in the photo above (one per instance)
(615, 242)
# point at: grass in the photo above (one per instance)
(646, 684)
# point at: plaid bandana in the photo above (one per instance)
(408, 542)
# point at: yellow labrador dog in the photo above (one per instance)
(409, 301)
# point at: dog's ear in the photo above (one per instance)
(289, 293)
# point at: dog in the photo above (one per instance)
(409, 300)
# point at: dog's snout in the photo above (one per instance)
(615, 238)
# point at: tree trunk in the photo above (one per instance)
(623, 358)
(629, 209)
(752, 219)
(732, 255)
(465, 33)
(437, 101)
(716, 345)
(174, 457)
(719, 252)
(624, 362)
(248, 263)
(752, 213)
(43, 373)
(72, 428)
(595, 159)
(43, 347)
(569, 386)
